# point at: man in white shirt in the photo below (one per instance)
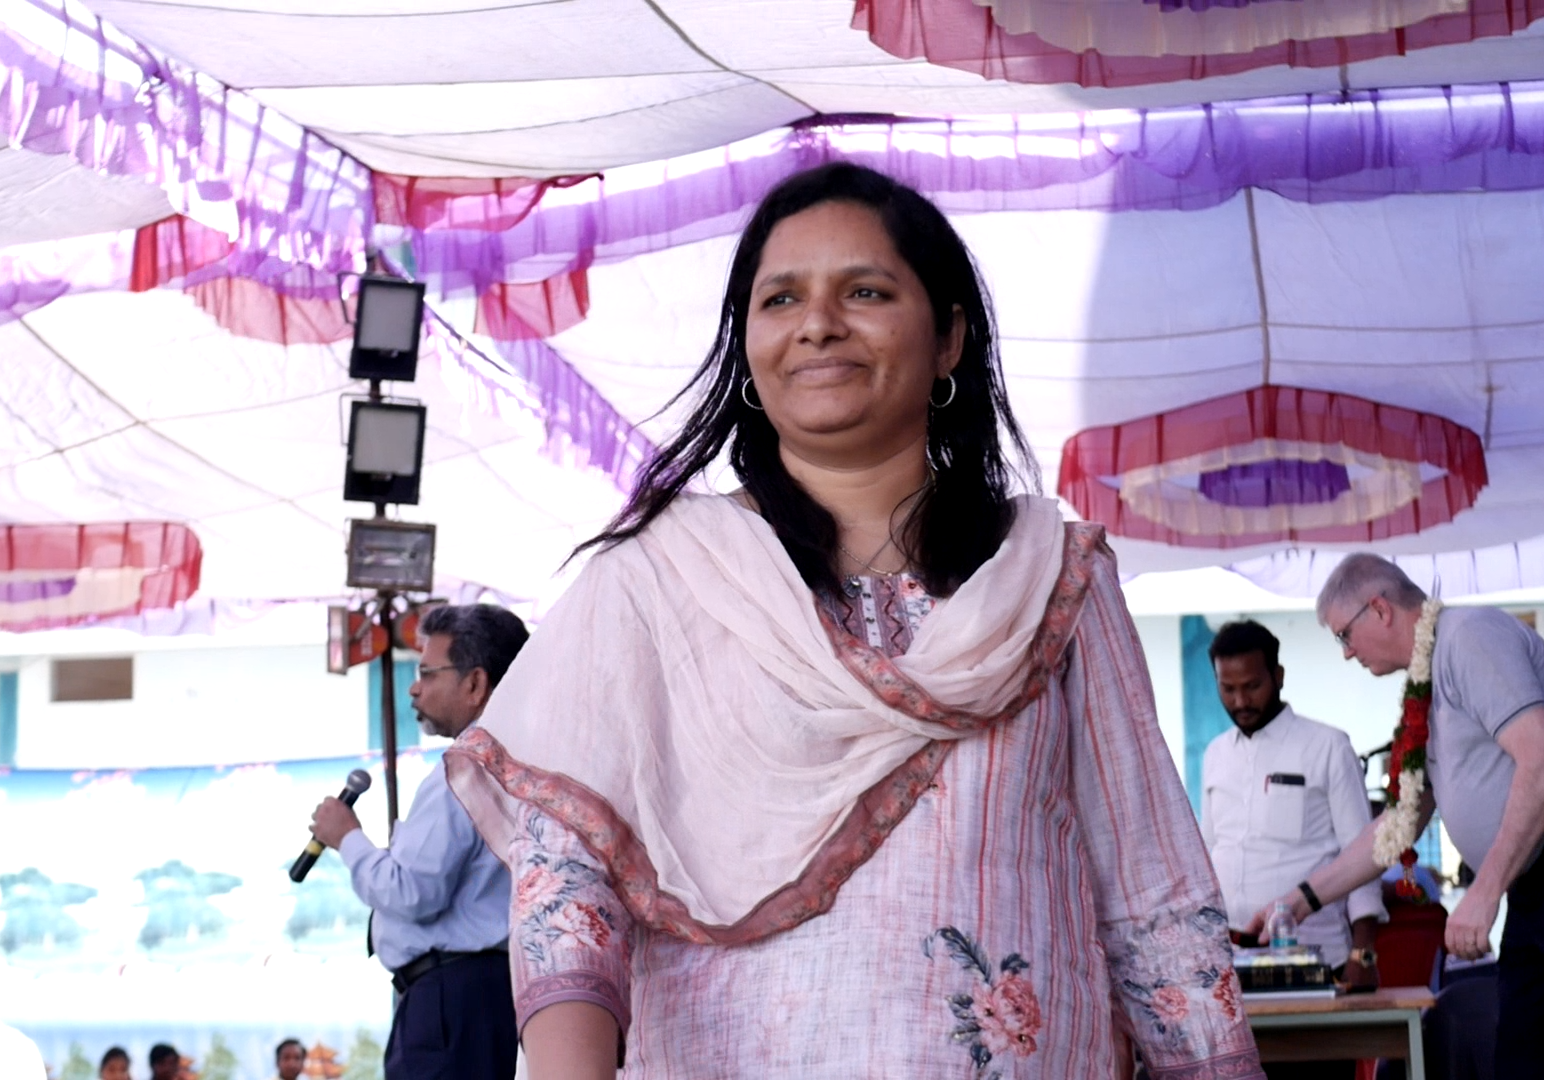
(1281, 795)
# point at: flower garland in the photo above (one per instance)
(1394, 840)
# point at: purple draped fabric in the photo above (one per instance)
(142, 116)
(1276, 483)
(18, 298)
(1312, 148)
(576, 413)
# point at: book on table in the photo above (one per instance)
(1292, 971)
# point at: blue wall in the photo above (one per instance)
(404, 672)
(8, 718)
(1205, 718)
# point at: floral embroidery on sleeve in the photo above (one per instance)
(1225, 990)
(555, 906)
(1001, 1014)
(1172, 966)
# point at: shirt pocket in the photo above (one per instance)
(1281, 816)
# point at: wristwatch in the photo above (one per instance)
(1367, 958)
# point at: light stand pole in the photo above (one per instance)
(389, 708)
(385, 460)
(384, 597)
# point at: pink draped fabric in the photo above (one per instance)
(535, 310)
(268, 301)
(484, 205)
(171, 249)
(63, 575)
(251, 309)
(465, 212)
(1128, 28)
(960, 34)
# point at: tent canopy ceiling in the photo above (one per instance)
(1408, 276)
(536, 88)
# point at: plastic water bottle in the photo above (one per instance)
(1281, 927)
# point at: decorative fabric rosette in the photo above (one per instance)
(1113, 43)
(1204, 27)
(1272, 464)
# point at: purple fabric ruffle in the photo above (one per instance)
(1313, 148)
(1276, 483)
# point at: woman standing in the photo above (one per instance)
(854, 772)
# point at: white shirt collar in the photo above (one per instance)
(1279, 723)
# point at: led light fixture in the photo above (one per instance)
(387, 324)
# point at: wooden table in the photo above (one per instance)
(1385, 1024)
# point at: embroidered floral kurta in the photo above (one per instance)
(1050, 884)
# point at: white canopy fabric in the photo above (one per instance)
(122, 405)
(51, 197)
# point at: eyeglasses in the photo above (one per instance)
(1343, 635)
(425, 672)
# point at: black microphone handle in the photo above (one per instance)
(313, 850)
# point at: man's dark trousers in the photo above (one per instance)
(1520, 975)
(456, 1022)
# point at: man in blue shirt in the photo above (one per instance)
(439, 896)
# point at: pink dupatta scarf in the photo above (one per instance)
(728, 752)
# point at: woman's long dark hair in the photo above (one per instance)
(963, 515)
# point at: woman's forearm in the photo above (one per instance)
(572, 1040)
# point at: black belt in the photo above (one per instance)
(413, 970)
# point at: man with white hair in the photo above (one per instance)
(1482, 732)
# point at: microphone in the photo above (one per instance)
(357, 784)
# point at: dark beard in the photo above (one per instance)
(1270, 712)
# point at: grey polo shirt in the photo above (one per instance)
(1488, 667)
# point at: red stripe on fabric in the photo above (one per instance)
(960, 34)
(986, 824)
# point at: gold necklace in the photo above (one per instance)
(868, 564)
(850, 584)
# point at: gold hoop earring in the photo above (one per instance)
(746, 397)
